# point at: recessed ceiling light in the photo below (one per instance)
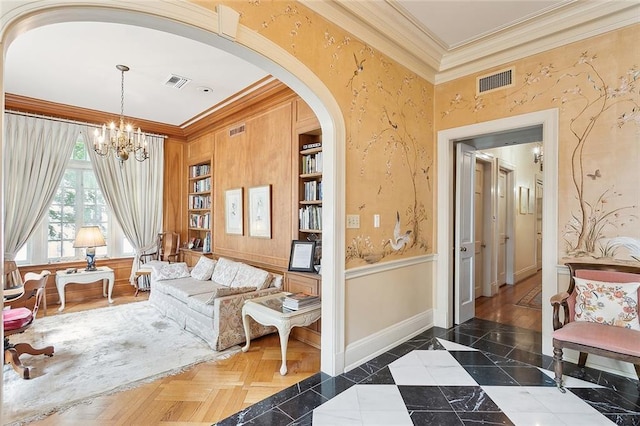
(204, 89)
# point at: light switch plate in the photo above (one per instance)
(353, 221)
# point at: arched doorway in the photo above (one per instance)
(194, 22)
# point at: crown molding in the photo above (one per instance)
(384, 27)
(575, 22)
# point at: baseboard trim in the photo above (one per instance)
(359, 352)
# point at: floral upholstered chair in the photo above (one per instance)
(600, 315)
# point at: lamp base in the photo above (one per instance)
(91, 259)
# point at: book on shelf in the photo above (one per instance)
(311, 145)
(300, 300)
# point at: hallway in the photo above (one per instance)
(503, 308)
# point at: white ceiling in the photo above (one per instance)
(74, 63)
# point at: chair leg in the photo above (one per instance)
(12, 357)
(637, 366)
(25, 348)
(582, 361)
(557, 367)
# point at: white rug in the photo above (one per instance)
(98, 352)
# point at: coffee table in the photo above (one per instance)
(268, 310)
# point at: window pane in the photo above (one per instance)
(127, 248)
(54, 250)
(21, 256)
(79, 151)
(68, 250)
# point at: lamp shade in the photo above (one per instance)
(89, 236)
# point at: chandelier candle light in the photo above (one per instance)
(122, 140)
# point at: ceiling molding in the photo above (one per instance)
(385, 28)
(572, 23)
(90, 116)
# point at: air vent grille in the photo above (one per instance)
(498, 80)
(176, 81)
(236, 130)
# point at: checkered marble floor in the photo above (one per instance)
(476, 373)
(458, 385)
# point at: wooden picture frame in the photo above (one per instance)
(301, 258)
(260, 211)
(233, 206)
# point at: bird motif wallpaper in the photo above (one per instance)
(594, 84)
(388, 113)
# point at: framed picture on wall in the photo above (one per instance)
(301, 258)
(233, 211)
(260, 211)
(524, 199)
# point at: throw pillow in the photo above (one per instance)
(249, 276)
(171, 271)
(203, 269)
(607, 303)
(225, 271)
(228, 291)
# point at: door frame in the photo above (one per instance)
(510, 223)
(444, 199)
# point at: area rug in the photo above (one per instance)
(98, 352)
(533, 298)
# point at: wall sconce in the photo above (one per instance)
(537, 155)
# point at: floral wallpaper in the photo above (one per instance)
(388, 112)
(594, 83)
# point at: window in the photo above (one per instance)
(78, 202)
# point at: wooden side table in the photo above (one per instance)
(142, 272)
(267, 310)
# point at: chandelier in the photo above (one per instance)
(122, 140)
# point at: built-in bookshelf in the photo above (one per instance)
(310, 184)
(199, 207)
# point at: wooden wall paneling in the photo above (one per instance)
(259, 156)
(174, 204)
(304, 116)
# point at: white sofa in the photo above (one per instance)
(211, 308)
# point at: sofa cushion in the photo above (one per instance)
(276, 281)
(170, 271)
(225, 271)
(199, 303)
(182, 288)
(607, 303)
(249, 276)
(203, 269)
(228, 291)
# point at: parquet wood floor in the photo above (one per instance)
(200, 396)
(502, 308)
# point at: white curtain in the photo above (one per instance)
(36, 155)
(133, 192)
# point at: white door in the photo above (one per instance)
(502, 227)
(464, 239)
(478, 222)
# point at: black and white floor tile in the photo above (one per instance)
(477, 373)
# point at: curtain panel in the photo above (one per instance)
(37, 152)
(133, 191)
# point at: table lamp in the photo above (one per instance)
(89, 237)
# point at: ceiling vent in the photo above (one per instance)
(176, 81)
(236, 130)
(495, 81)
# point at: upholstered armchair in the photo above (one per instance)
(600, 315)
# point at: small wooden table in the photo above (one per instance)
(103, 273)
(267, 310)
(142, 272)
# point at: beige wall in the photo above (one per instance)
(593, 84)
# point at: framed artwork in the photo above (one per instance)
(524, 200)
(301, 258)
(260, 211)
(233, 211)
